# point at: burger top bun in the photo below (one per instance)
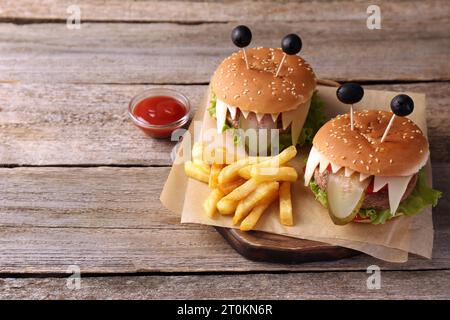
(257, 89)
(403, 152)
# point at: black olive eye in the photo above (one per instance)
(291, 44)
(350, 93)
(241, 36)
(402, 105)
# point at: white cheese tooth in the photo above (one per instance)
(232, 111)
(221, 115)
(348, 172)
(335, 168)
(286, 119)
(275, 116)
(311, 164)
(298, 121)
(245, 113)
(396, 189)
(324, 162)
(379, 182)
(363, 176)
(259, 116)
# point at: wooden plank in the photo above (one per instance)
(214, 11)
(179, 53)
(323, 285)
(109, 220)
(63, 124)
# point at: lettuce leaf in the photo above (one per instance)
(320, 195)
(212, 105)
(421, 197)
(314, 120)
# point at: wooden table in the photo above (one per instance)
(79, 185)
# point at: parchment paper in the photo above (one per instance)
(391, 241)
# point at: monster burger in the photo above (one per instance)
(360, 178)
(275, 91)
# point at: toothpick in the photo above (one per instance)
(388, 128)
(245, 57)
(351, 118)
(281, 63)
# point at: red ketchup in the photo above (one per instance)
(159, 115)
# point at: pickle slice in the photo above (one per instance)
(345, 196)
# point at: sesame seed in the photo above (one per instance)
(354, 161)
(259, 92)
(343, 157)
(361, 161)
(370, 155)
(236, 96)
(367, 168)
(377, 160)
(421, 151)
(390, 161)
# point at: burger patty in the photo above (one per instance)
(378, 200)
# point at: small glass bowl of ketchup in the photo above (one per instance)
(158, 112)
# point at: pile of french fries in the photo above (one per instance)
(246, 187)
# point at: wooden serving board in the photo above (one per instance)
(264, 246)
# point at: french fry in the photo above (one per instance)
(206, 168)
(214, 175)
(230, 186)
(261, 174)
(242, 191)
(276, 161)
(196, 172)
(231, 172)
(286, 217)
(226, 206)
(210, 205)
(253, 217)
(262, 192)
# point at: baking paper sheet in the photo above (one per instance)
(391, 241)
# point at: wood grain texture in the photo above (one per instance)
(270, 247)
(180, 53)
(218, 11)
(64, 124)
(324, 285)
(109, 220)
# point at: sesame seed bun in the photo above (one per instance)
(403, 152)
(257, 89)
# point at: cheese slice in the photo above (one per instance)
(335, 168)
(363, 176)
(397, 187)
(221, 115)
(232, 111)
(311, 164)
(245, 113)
(296, 118)
(379, 182)
(275, 116)
(259, 116)
(348, 172)
(324, 162)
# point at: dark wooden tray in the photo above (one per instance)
(263, 246)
